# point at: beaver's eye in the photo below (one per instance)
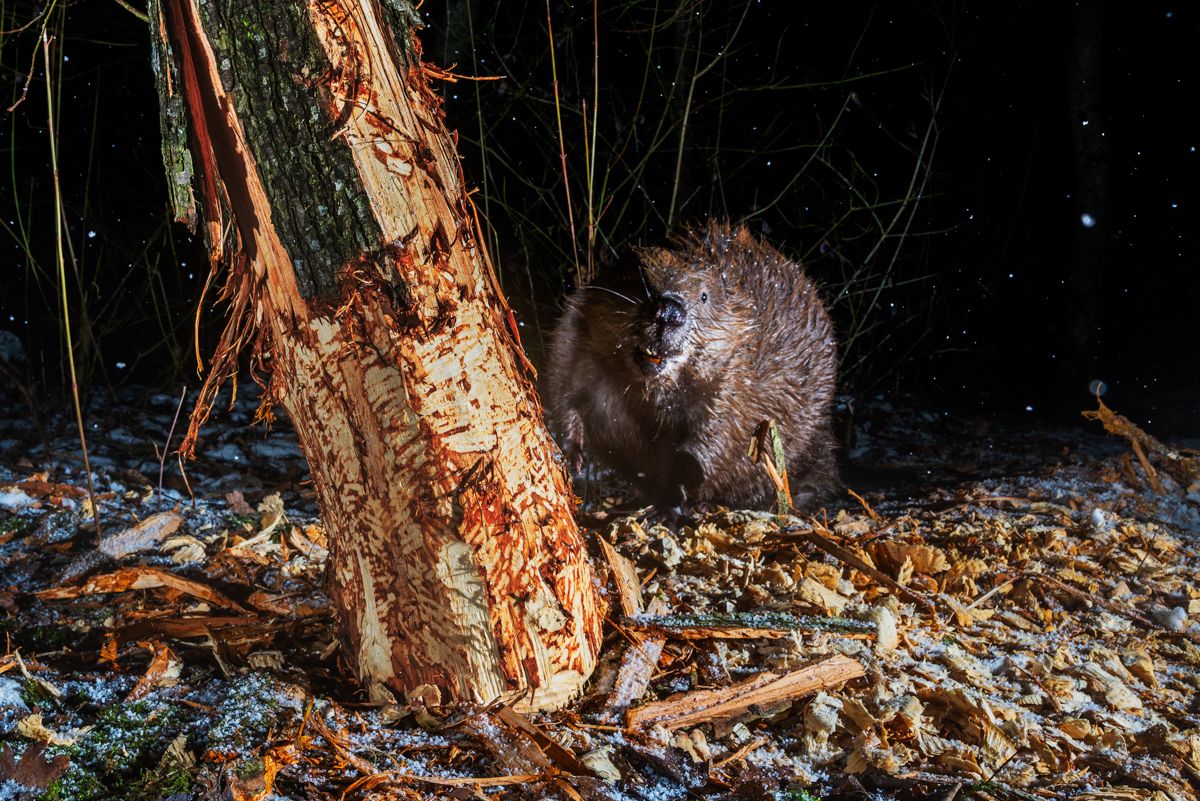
(704, 297)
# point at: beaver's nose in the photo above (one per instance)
(668, 311)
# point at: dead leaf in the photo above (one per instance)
(34, 771)
(237, 503)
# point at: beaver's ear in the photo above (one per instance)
(658, 257)
(743, 237)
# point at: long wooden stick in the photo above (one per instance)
(702, 706)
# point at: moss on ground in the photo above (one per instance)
(116, 757)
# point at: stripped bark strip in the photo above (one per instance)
(703, 706)
(140, 578)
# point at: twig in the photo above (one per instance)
(471, 781)
(162, 458)
(838, 552)
(871, 513)
(562, 757)
(186, 483)
(143, 16)
(1183, 468)
(1112, 605)
(741, 625)
(742, 752)
(562, 151)
(62, 280)
(774, 461)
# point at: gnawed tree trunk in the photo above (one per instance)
(332, 193)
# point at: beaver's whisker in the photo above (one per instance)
(625, 298)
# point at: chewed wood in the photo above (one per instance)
(455, 561)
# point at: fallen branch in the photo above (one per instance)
(703, 706)
(742, 626)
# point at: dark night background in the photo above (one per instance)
(975, 300)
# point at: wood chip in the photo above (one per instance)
(629, 588)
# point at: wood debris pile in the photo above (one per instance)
(1029, 637)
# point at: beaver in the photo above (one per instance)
(665, 376)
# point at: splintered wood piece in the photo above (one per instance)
(164, 666)
(229, 627)
(1185, 469)
(147, 534)
(637, 668)
(629, 588)
(140, 578)
(512, 750)
(703, 706)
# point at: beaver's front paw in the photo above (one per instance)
(572, 450)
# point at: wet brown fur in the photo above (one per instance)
(757, 343)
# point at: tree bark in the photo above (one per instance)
(331, 192)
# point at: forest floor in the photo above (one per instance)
(1008, 609)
